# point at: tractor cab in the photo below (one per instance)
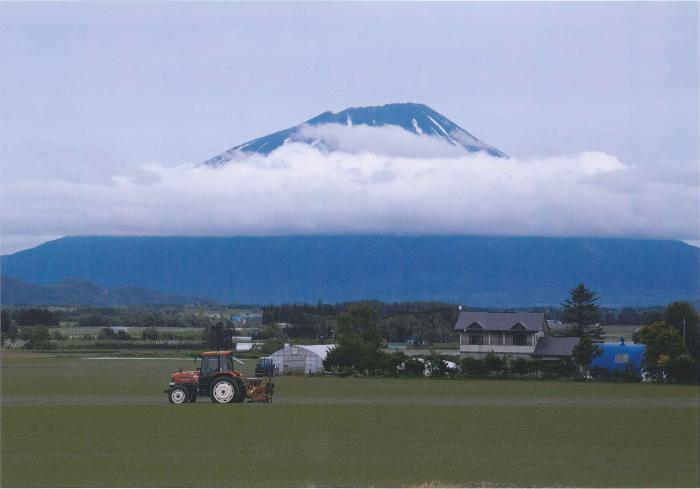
(265, 367)
(209, 363)
(213, 364)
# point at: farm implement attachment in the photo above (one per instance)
(215, 377)
(257, 392)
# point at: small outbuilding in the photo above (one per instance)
(555, 347)
(618, 357)
(300, 359)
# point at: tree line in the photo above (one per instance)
(670, 335)
(127, 316)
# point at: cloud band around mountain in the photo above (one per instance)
(380, 181)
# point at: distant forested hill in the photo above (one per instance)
(79, 292)
(480, 271)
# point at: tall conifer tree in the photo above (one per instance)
(581, 310)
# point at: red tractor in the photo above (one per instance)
(214, 376)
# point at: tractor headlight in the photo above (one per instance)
(171, 384)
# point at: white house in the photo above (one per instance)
(300, 359)
(504, 333)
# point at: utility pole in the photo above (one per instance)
(684, 333)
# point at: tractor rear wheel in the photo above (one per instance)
(177, 395)
(223, 391)
(240, 390)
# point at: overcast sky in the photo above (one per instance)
(89, 91)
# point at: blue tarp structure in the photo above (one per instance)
(616, 356)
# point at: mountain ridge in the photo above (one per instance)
(479, 270)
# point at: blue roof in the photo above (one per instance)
(616, 355)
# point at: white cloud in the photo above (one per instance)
(386, 140)
(403, 186)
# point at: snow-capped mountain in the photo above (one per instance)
(415, 118)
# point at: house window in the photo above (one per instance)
(495, 339)
(294, 351)
(622, 358)
(476, 339)
(519, 340)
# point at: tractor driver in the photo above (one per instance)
(210, 365)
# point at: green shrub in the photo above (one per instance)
(683, 369)
(37, 336)
(392, 362)
(494, 364)
(472, 367)
(413, 367)
(150, 334)
(123, 335)
(601, 373)
(57, 335)
(106, 334)
(519, 366)
(558, 369)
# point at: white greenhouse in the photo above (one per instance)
(300, 359)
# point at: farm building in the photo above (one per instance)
(620, 356)
(555, 347)
(300, 359)
(504, 333)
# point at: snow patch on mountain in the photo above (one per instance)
(416, 126)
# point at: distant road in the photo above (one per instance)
(107, 400)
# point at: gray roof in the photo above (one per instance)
(555, 346)
(320, 350)
(501, 321)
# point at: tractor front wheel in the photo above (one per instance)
(177, 395)
(223, 391)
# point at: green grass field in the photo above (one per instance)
(77, 422)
